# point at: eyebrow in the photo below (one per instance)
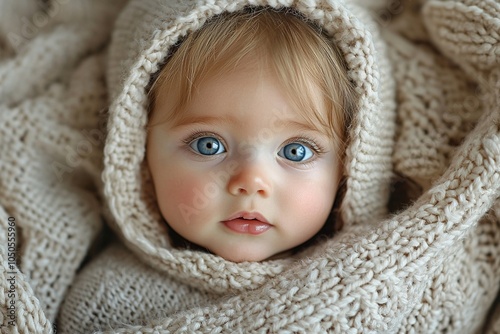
(303, 127)
(210, 120)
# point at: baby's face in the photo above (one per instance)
(240, 172)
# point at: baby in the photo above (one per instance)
(246, 134)
(239, 135)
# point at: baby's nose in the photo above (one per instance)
(250, 179)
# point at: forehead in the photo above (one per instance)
(250, 91)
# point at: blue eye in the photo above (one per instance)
(207, 146)
(295, 152)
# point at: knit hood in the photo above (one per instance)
(143, 35)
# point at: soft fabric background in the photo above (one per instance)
(52, 91)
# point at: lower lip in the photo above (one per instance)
(246, 226)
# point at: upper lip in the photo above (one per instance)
(249, 216)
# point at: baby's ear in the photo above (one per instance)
(467, 31)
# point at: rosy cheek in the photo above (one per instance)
(186, 191)
(180, 191)
(188, 198)
(311, 204)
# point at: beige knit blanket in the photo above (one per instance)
(52, 90)
(432, 267)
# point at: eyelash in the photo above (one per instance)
(313, 145)
(199, 134)
(303, 139)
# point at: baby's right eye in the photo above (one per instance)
(207, 146)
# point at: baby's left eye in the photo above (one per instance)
(296, 152)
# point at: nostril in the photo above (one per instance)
(262, 192)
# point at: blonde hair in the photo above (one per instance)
(295, 49)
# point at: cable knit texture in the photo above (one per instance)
(52, 91)
(428, 76)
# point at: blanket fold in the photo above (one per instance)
(52, 95)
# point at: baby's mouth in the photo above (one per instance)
(247, 223)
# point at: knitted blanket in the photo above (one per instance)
(52, 90)
(431, 267)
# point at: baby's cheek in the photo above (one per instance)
(312, 204)
(181, 191)
(187, 198)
